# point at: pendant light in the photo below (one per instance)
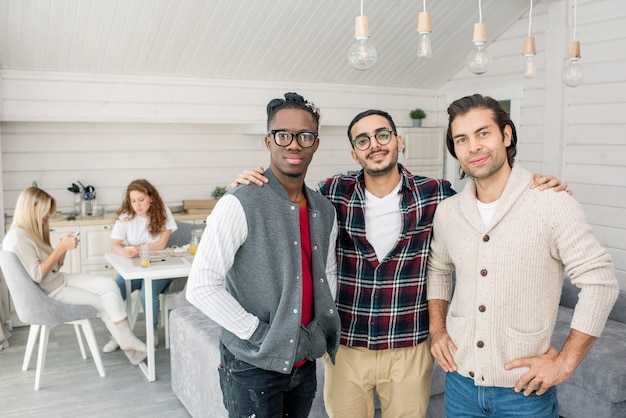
(529, 48)
(478, 59)
(573, 74)
(362, 54)
(424, 28)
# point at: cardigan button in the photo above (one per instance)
(480, 344)
(482, 308)
(486, 238)
(295, 311)
(314, 215)
(314, 248)
(293, 208)
(322, 280)
(483, 272)
(471, 374)
(331, 311)
(295, 243)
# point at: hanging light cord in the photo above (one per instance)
(424, 5)
(530, 17)
(480, 12)
(574, 20)
(361, 7)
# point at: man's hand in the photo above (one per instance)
(549, 182)
(442, 348)
(553, 367)
(250, 176)
(545, 371)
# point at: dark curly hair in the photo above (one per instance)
(292, 101)
(157, 213)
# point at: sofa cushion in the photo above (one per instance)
(195, 356)
(603, 371)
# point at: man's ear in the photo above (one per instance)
(268, 141)
(508, 136)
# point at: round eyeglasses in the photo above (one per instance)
(363, 142)
(282, 138)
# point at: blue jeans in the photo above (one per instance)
(158, 286)
(464, 399)
(249, 391)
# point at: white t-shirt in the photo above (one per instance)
(135, 231)
(486, 211)
(382, 221)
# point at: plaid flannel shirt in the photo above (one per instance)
(383, 305)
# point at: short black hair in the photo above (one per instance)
(369, 113)
(292, 101)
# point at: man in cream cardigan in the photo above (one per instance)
(509, 247)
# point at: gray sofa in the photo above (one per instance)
(597, 389)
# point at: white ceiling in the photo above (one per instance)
(277, 40)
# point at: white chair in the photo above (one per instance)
(34, 307)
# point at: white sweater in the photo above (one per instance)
(509, 275)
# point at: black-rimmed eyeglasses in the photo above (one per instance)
(283, 138)
(363, 142)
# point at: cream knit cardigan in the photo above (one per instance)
(509, 275)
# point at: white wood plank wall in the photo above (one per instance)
(575, 133)
(184, 161)
(184, 135)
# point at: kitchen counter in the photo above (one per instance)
(60, 221)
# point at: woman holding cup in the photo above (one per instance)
(143, 218)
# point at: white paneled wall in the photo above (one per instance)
(184, 161)
(184, 135)
(576, 133)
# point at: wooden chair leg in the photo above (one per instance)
(41, 358)
(79, 337)
(33, 334)
(93, 345)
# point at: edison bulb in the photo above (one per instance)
(362, 54)
(573, 74)
(529, 66)
(424, 49)
(478, 59)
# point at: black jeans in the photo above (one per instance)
(250, 391)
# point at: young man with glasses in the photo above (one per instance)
(385, 220)
(266, 271)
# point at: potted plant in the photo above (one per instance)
(417, 115)
(218, 192)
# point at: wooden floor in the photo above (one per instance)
(71, 386)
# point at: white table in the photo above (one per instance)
(129, 269)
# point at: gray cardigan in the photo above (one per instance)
(266, 279)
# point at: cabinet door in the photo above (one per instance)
(423, 151)
(95, 241)
(71, 264)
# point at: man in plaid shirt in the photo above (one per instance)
(385, 219)
(385, 216)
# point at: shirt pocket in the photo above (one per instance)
(524, 344)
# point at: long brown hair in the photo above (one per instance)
(157, 215)
(463, 105)
(31, 206)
